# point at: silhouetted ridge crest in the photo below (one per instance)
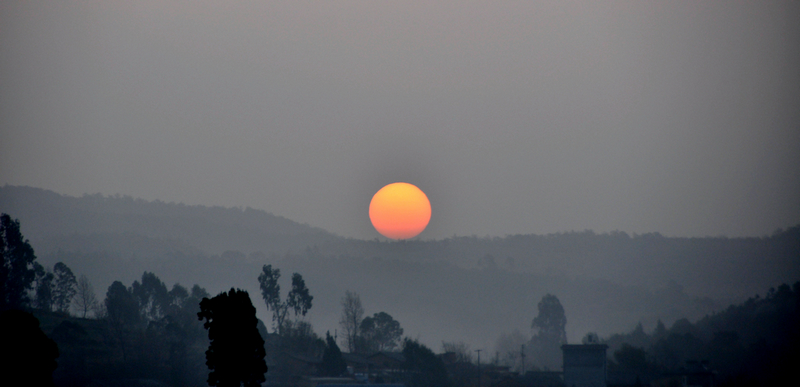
(49, 215)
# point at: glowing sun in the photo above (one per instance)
(400, 211)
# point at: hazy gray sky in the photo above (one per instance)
(514, 117)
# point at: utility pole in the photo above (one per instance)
(522, 355)
(479, 366)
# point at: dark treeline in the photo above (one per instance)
(125, 228)
(752, 343)
(149, 331)
(709, 266)
(146, 333)
(606, 282)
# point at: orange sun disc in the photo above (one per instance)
(400, 211)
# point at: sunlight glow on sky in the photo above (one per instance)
(678, 117)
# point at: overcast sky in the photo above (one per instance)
(514, 117)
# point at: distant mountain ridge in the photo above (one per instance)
(48, 217)
(450, 289)
(122, 226)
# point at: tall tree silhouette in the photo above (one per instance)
(44, 288)
(236, 353)
(551, 321)
(16, 265)
(352, 313)
(380, 332)
(152, 296)
(181, 331)
(333, 363)
(54, 289)
(122, 313)
(423, 367)
(85, 299)
(298, 300)
(27, 355)
(63, 286)
(550, 332)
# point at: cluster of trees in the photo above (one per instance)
(159, 331)
(360, 335)
(292, 336)
(148, 329)
(55, 289)
(147, 304)
(155, 331)
(423, 367)
(751, 343)
(367, 335)
(298, 300)
(151, 326)
(542, 350)
(24, 283)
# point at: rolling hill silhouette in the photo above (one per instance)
(451, 289)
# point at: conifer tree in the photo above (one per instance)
(236, 353)
(17, 271)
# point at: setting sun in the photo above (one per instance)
(400, 211)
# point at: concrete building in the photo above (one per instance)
(585, 365)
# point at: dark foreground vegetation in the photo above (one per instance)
(57, 331)
(753, 343)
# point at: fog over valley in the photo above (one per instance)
(467, 289)
(402, 193)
